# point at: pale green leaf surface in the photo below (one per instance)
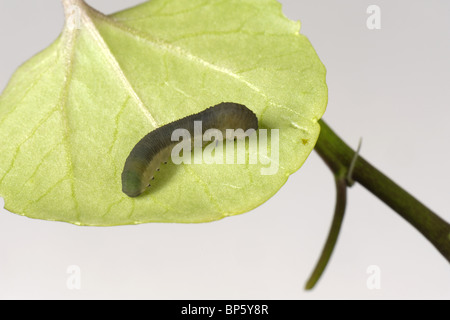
(70, 116)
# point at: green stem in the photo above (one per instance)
(337, 154)
(339, 211)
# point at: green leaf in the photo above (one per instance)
(70, 116)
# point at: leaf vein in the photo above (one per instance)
(116, 68)
(19, 146)
(179, 51)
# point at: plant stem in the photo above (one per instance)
(339, 211)
(337, 154)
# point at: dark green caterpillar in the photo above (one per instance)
(156, 147)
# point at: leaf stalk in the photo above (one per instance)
(337, 155)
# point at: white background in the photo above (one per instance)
(389, 86)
